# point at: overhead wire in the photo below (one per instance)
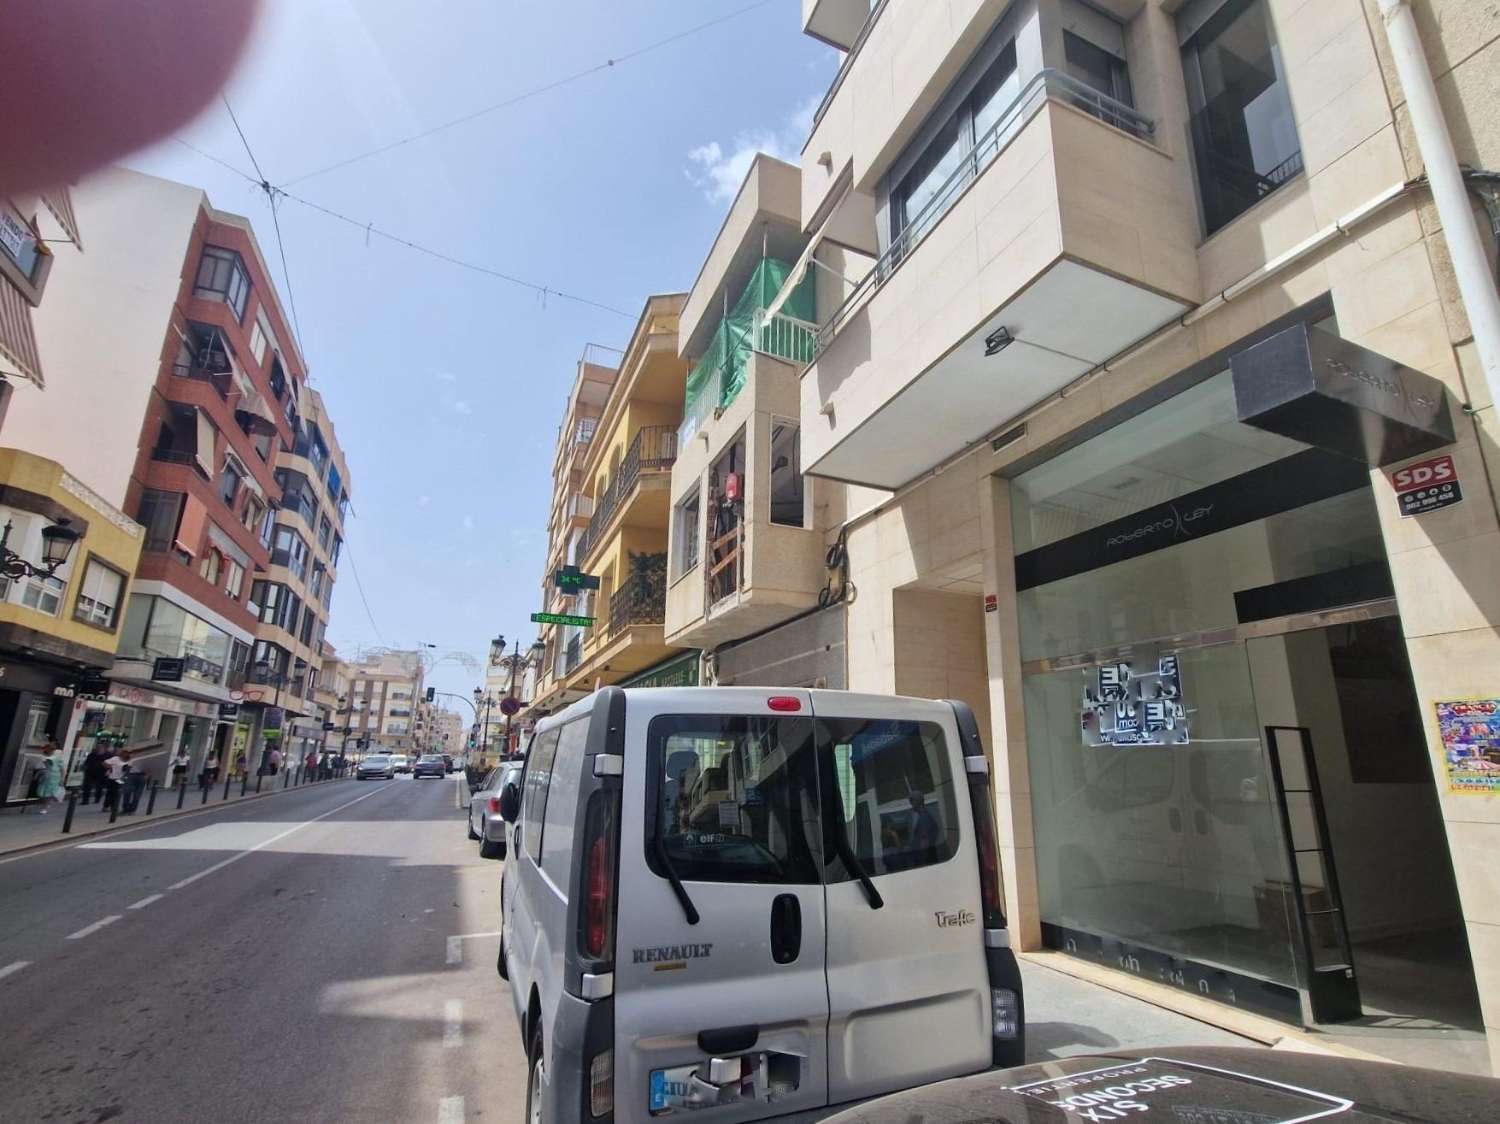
(536, 91)
(359, 585)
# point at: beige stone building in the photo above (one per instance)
(1149, 414)
(384, 700)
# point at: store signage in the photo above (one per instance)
(680, 671)
(991, 603)
(1427, 486)
(570, 579)
(155, 700)
(17, 239)
(1135, 704)
(273, 719)
(1470, 729)
(229, 710)
(168, 669)
(561, 618)
(1312, 386)
(1283, 485)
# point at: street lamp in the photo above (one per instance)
(486, 701)
(57, 543)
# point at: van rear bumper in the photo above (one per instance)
(580, 1032)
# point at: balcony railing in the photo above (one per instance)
(781, 335)
(854, 48)
(1048, 83)
(1228, 180)
(643, 598)
(219, 380)
(572, 655)
(654, 448)
(174, 456)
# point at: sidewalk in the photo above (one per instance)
(29, 829)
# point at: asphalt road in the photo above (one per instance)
(324, 955)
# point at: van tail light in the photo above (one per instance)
(786, 703)
(989, 852)
(597, 923)
(494, 803)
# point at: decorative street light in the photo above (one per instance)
(57, 543)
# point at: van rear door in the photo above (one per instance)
(720, 792)
(909, 997)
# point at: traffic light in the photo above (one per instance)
(431, 693)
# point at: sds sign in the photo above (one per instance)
(1426, 486)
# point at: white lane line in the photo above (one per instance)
(144, 902)
(455, 950)
(12, 969)
(453, 1023)
(451, 1110)
(88, 930)
(188, 881)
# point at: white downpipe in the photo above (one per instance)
(1476, 285)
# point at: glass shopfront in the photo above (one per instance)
(1185, 582)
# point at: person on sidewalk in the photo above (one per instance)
(211, 769)
(135, 782)
(114, 779)
(240, 764)
(93, 773)
(49, 787)
(180, 765)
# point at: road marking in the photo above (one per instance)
(451, 1110)
(188, 881)
(12, 969)
(456, 945)
(458, 790)
(453, 1023)
(144, 902)
(87, 930)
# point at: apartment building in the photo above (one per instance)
(179, 394)
(328, 696)
(384, 696)
(568, 518)
(1158, 377)
(626, 475)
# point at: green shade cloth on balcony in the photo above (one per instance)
(729, 351)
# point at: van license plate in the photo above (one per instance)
(723, 1081)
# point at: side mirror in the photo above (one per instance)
(510, 802)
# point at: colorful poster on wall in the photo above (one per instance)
(1471, 744)
(1138, 703)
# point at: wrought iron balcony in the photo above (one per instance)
(654, 449)
(643, 598)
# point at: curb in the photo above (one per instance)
(71, 838)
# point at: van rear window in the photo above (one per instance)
(732, 798)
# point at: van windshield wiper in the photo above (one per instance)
(689, 910)
(851, 860)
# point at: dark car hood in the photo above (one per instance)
(1193, 1086)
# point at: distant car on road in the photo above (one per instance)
(448, 763)
(400, 763)
(485, 823)
(429, 765)
(376, 765)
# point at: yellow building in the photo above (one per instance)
(58, 631)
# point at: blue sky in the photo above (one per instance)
(446, 386)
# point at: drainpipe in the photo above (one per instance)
(1476, 286)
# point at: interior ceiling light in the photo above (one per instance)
(998, 340)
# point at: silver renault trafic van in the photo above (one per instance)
(748, 903)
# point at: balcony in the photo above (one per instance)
(651, 453)
(221, 381)
(839, 23)
(750, 568)
(643, 601)
(973, 310)
(578, 510)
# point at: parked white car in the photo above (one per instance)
(748, 903)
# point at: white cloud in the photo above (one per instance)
(719, 173)
(446, 376)
(459, 406)
(423, 501)
(468, 522)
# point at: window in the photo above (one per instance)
(325, 532)
(254, 512)
(562, 812)
(229, 482)
(20, 242)
(338, 545)
(290, 551)
(730, 798)
(159, 513)
(896, 800)
(259, 591)
(309, 622)
(534, 785)
(947, 151)
(239, 662)
(222, 276)
(278, 379)
(787, 482)
(689, 531)
(258, 342)
(1244, 138)
(99, 595)
(1098, 68)
(213, 563)
(234, 578)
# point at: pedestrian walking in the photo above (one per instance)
(180, 766)
(114, 779)
(135, 782)
(240, 764)
(93, 772)
(49, 786)
(275, 758)
(211, 769)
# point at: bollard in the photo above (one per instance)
(244, 782)
(227, 780)
(299, 776)
(286, 776)
(114, 805)
(151, 800)
(205, 794)
(68, 816)
(257, 782)
(181, 793)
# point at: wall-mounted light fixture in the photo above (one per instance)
(998, 340)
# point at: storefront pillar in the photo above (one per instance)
(1010, 771)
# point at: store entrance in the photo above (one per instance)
(1349, 686)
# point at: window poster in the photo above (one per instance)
(1135, 703)
(1470, 730)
